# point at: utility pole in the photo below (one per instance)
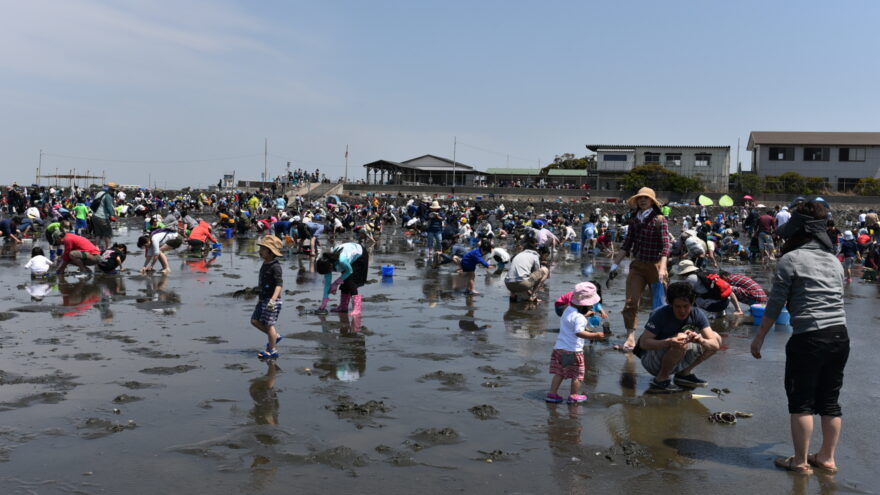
(345, 181)
(39, 167)
(454, 149)
(266, 161)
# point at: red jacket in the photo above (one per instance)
(202, 232)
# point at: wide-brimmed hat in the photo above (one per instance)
(646, 192)
(271, 243)
(435, 205)
(848, 235)
(684, 267)
(585, 294)
(112, 185)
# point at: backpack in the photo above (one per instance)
(95, 205)
(718, 289)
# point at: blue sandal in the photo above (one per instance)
(267, 354)
(279, 339)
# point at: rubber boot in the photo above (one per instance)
(356, 303)
(343, 304)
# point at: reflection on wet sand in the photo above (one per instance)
(262, 391)
(342, 356)
(83, 293)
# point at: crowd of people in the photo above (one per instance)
(683, 270)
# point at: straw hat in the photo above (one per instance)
(435, 205)
(271, 243)
(646, 192)
(585, 294)
(684, 267)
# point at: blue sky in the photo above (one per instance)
(172, 91)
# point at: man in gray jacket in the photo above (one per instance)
(103, 215)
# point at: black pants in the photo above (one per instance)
(814, 363)
(358, 276)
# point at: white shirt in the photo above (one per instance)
(502, 254)
(782, 217)
(570, 324)
(33, 212)
(39, 265)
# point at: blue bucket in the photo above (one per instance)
(388, 271)
(595, 321)
(784, 318)
(575, 247)
(229, 233)
(217, 246)
(758, 313)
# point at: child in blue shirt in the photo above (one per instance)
(469, 264)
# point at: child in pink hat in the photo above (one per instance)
(567, 360)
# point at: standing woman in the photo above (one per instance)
(647, 240)
(351, 260)
(810, 279)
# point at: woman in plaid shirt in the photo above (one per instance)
(647, 241)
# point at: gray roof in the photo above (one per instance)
(595, 147)
(447, 160)
(818, 138)
(513, 171)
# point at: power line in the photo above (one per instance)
(115, 160)
(495, 152)
(297, 160)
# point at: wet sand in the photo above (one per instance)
(145, 384)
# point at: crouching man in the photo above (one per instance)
(677, 338)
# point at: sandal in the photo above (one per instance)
(277, 340)
(813, 461)
(787, 463)
(267, 354)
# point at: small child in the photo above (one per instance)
(567, 360)
(849, 249)
(269, 305)
(39, 264)
(112, 259)
(565, 300)
(469, 264)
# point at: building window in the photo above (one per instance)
(614, 158)
(845, 184)
(852, 154)
(673, 159)
(703, 159)
(779, 153)
(817, 154)
(651, 157)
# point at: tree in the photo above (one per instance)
(868, 186)
(747, 183)
(567, 161)
(659, 178)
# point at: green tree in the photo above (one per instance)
(568, 161)
(659, 178)
(747, 183)
(868, 186)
